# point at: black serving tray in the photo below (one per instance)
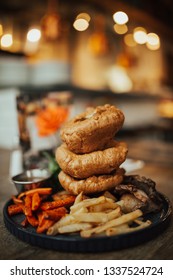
(75, 243)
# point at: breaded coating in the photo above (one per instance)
(94, 163)
(93, 129)
(93, 184)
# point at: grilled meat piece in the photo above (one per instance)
(131, 203)
(143, 194)
(144, 184)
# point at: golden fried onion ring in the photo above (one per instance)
(93, 184)
(95, 163)
(93, 129)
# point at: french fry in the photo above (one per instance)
(125, 228)
(35, 201)
(74, 227)
(121, 220)
(28, 205)
(82, 210)
(96, 218)
(87, 203)
(117, 230)
(59, 203)
(87, 233)
(15, 209)
(83, 217)
(66, 220)
(44, 226)
(138, 221)
(40, 216)
(41, 191)
(24, 223)
(16, 200)
(114, 214)
(32, 221)
(55, 214)
(79, 198)
(113, 223)
(103, 206)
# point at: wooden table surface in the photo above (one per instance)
(158, 166)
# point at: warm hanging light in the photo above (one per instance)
(118, 79)
(34, 35)
(120, 17)
(80, 24)
(85, 16)
(6, 41)
(51, 22)
(153, 41)
(140, 35)
(120, 28)
(98, 42)
(1, 30)
(129, 40)
(153, 47)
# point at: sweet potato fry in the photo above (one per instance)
(32, 220)
(59, 203)
(38, 190)
(55, 214)
(35, 201)
(45, 225)
(40, 216)
(24, 223)
(15, 209)
(16, 200)
(28, 205)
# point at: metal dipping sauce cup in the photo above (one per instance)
(32, 179)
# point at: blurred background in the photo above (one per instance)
(62, 56)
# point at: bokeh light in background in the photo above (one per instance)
(81, 22)
(119, 80)
(140, 35)
(129, 40)
(85, 16)
(120, 28)
(34, 35)
(153, 41)
(1, 29)
(120, 17)
(6, 41)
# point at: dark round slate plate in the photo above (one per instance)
(75, 243)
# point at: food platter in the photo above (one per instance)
(75, 243)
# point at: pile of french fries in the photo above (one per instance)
(102, 215)
(37, 208)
